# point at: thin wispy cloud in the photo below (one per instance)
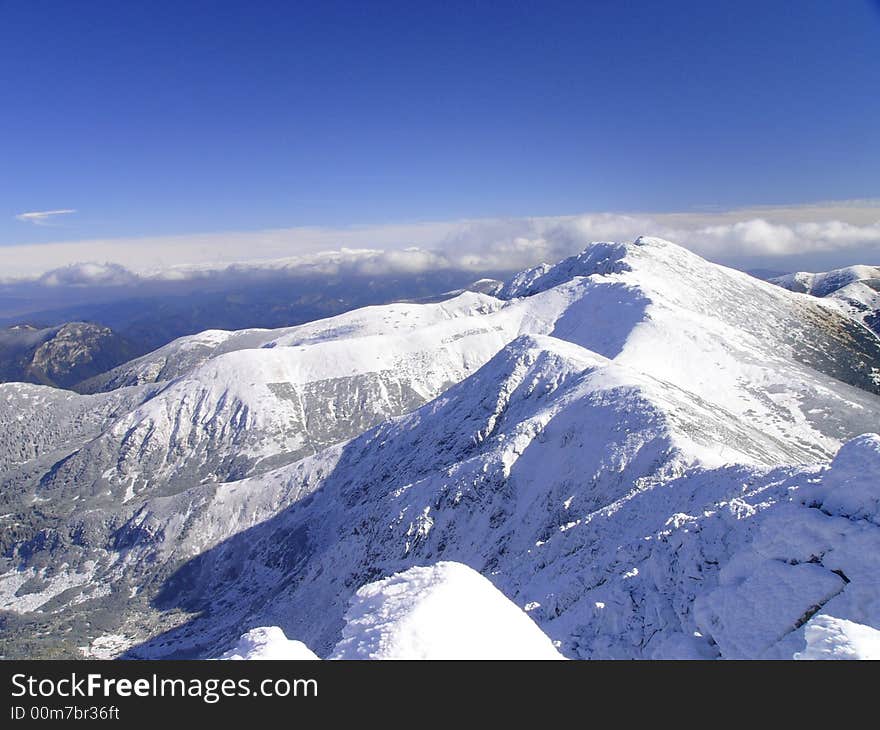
(43, 217)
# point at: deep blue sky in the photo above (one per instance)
(172, 117)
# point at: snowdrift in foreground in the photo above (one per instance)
(446, 611)
(268, 642)
(834, 638)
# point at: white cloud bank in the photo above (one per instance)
(88, 274)
(784, 237)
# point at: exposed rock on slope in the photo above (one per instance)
(61, 356)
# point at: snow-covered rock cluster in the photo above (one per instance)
(811, 557)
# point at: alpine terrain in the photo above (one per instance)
(855, 288)
(631, 453)
(62, 355)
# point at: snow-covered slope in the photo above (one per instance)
(40, 427)
(294, 392)
(603, 444)
(645, 304)
(826, 282)
(239, 404)
(187, 353)
(856, 289)
(575, 497)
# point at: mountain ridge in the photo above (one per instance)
(855, 289)
(628, 371)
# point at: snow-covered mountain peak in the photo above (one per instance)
(827, 282)
(563, 441)
(602, 258)
(854, 290)
(715, 333)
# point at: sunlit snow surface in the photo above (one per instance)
(834, 638)
(444, 611)
(268, 642)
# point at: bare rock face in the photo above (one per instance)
(61, 356)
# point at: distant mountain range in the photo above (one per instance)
(79, 341)
(855, 288)
(650, 455)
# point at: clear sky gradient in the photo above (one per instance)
(163, 118)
